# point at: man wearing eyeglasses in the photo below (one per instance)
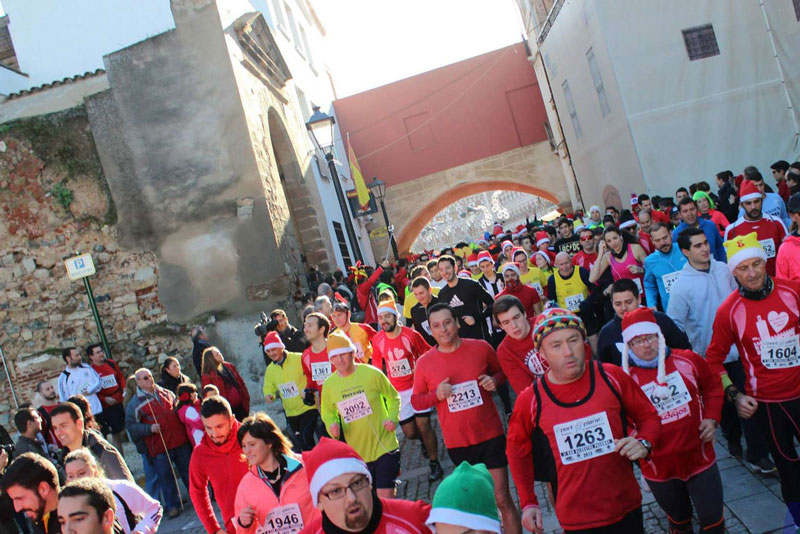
(340, 484)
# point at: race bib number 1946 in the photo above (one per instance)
(584, 439)
(282, 520)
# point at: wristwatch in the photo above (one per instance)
(647, 445)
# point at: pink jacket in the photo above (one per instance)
(190, 417)
(787, 264)
(255, 492)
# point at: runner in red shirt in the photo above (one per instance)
(112, 382)
(316, 365)
(588, 253)
(688, 397)
(458, 376)
(48, 393)
(526, 294)
(770, 231)
(580, 409)
(517, 355)
(395, 350)
(763, 319)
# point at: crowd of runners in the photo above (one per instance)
(612, 339)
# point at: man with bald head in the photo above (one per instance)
(570, 288)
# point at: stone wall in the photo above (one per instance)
(54, 201)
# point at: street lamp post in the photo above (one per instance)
(320, 125)
(379, 190)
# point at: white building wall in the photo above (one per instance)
(56, 39)
(604, 153)
(673, 121)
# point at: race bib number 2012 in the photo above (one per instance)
(584, 438)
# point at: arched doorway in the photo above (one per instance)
(412, 229)
(468, 218)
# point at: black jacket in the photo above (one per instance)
(728, 202)
(171, 383)
(611, 334)
(294, 339)
(197, 354)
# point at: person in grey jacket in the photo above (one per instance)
(29, 424)
(703, 284)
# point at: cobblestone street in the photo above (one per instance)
(752, 502)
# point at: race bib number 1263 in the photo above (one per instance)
(584, 438)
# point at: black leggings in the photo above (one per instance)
(732, 425)
(633, 523)
(676, 497)
(303, 427)
(780, 423)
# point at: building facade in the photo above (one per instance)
(651, 97)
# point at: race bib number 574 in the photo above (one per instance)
(584, 438)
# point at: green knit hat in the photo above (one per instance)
(466, 499)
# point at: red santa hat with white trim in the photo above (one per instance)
(330, 459)
(505, 245)
(518, 250)
(542, 237)
(510, 266)
(484, 255)
(497, 230)
(749, 191)
(640, 322)
(472, 260)
(273, 341)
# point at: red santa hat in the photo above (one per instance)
(463, 273)
(510, 266)
(518, 250)
(505, 245)
(749, 191)
(484, 255)
(545, 255)
(497, 230)
(640, 322)
(518, 231)
(542, 237)
(273, 341)
(329, 459)
(472, 260)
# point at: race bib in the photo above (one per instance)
(573, 302)
(464, 396)
(538, 287)
(282, 520)
(427, 327)
(669, 281)
(584, 439)
(674, 407)
(638, 282)
(355, 408)
(288, 390)
(780, 352)
(359, 352)
(320, 371)
(108, 381)
(399, 368)
(769, 247)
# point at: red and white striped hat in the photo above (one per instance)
(329, 459)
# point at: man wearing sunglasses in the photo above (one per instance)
(341, 488)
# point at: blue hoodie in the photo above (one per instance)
(660, 272)
(712, 234)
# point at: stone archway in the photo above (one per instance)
(413, 227)
(300, 234)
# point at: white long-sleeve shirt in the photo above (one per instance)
(84, 380)
(139, 503)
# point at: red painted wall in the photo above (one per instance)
(456, 114)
